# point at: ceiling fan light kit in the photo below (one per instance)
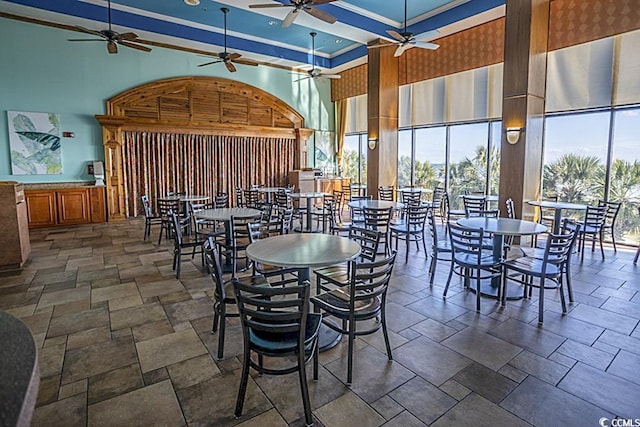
(314, 72)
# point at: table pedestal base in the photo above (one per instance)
(328, 338)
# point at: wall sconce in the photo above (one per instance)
(513, 135)
(373, 142)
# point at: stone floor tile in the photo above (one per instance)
(625, 365)
(512, 373)
(64, 296)
(113, 292)
(404, 419)
(189, 310)
(586, 354)
(483, 348)
(423, 400)
(71, 411)
(528, 336)
(376, 339)
(88, 337)
(387, 407)
(72, 389)
(571, 328)
(605, 319)
(434, 330)
(48, 390)
(50, 360)
(169, 349)
(437, 308)
(213, 402)
(155, 376)
(72, 307)
(485, 382)
(605, 390)
(432, 361)
(124, 302)
(625, 308)
(270, 418)
(192, 371)
(374, 375)
(78, 321)
(157, 288)
(476, 411)
(541, 368)
(37, 323)
(151, 330)
(349, 410)
(152, 405)
(114, 383)
(455, 389)
(541, 404)
(95, 359)
(137, 315)
(399, 317)
(562, 359)
(616, 340)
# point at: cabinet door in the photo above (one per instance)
(73, 207)
(41, 208)
(98, 204)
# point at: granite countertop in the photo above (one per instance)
(19, 376)
(56, 185)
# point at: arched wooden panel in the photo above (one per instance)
(194, 106)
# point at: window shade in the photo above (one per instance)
(356, 114)
(627, 88)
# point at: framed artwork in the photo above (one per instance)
(34, 140)
(325, 151)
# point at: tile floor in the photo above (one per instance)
(122, 342)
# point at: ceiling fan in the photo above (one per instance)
(298, 5)
(406, 39)
(316, 72)
(112, 38)
(229, 58)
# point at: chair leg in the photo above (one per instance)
(222, 331)
(383, 320)
(147, 229)
(562, 300)
(244, 379)
(446, 288)
(541, 302)
(216, 317)
(600, 238)
(635, 259)
(352, 336)
(304, 388)
(432, 267)
(178, 262)
(478, 292)
(406, 255)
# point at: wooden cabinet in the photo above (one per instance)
(41, 208)
(66, 206)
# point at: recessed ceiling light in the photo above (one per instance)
(273, 22)
(338, 41)
(192, 2)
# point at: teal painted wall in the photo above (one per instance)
(40, 71)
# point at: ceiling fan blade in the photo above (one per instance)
(127, 36)
(233, 56)
(134, 46)
(314, 2)
(209, 63)
(86, 30)
(330, 76)
(230, 66)
(426, 45)
(323, 16)
(400, 50)
(288, 20)
(112, 47)
(264, 6)
(85, 40)
(396, 35)
(246, 62)
(427, 35)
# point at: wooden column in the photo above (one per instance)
(382, 118)
(525, 71)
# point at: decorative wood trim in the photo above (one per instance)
(193, 105)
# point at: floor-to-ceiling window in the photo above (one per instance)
(354, 158)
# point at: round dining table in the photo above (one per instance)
(500, 227)
(557, 207)
(305, 251)
(309, 196)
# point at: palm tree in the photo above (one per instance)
(575, 178)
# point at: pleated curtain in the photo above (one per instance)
(157, 163)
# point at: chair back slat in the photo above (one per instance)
(369, 240)
(474, 206)
(385, 192)
(411, 198)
